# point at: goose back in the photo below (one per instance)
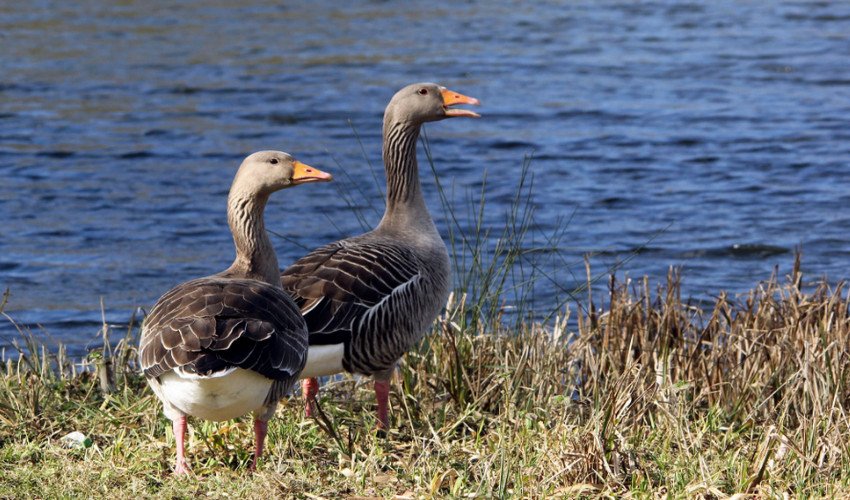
(211, 325)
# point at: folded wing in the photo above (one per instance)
(210, 325)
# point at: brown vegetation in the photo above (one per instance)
(643, 395)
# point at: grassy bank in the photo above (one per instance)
(646, 395)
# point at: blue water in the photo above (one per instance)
(714, 136)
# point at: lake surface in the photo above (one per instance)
(715, 137)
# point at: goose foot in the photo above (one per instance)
(182, 468)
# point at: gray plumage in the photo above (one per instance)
(377, 293)
(374, 293)
(210, 325)
(232, 343)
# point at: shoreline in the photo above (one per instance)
(648, 395)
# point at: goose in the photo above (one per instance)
(368, 299)
(222, 346)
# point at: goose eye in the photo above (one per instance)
(273, 161)
(423, 91)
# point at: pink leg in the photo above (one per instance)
(309, 389)
(179, 428)
(261, 427)
(382, 394)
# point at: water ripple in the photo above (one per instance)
(710, 136)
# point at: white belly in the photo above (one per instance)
(230, 395)
(323, 360)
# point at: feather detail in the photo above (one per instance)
(215, 324)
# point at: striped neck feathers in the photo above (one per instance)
(405, 204)
(255, 255)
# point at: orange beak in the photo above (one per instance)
(450, 98)
(303, 173)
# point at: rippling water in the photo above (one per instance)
(717, 136)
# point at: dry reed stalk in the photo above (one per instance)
(538, 410)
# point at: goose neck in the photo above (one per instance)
(405, 203)
(255, 255)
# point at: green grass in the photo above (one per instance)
(644, 396)
(649, 396)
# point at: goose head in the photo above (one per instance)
(265, 172)
(427, 102)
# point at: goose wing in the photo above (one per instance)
(337, 284)
(210, 325)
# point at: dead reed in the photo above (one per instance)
(641, 395)
(626, 391)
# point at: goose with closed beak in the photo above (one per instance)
(232, 343)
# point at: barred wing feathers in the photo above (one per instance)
(214, 324)
(336, 285)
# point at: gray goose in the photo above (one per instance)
(368, 299)
(232, 343)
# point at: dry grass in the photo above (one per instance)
(644, 396)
